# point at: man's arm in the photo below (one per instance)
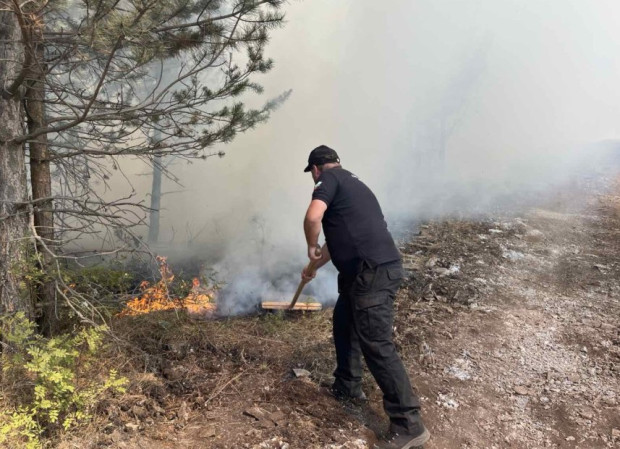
(312, 227)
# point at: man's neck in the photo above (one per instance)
(331, 165)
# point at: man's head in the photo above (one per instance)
(321, 158)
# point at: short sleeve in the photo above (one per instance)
(325, 188)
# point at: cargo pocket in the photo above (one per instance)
(374, 316)
(364, 282)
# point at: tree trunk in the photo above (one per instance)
(13, 185)
(41, 183)
(155, 194)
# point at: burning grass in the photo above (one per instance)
(157, 297)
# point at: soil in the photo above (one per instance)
(509, 326)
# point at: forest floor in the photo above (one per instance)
(509, 327)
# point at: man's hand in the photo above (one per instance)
(308, 275)
(316, 262)
(314, 253)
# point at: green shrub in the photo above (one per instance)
(51, 383)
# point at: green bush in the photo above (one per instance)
(51, 383)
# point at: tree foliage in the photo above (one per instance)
(99, 78)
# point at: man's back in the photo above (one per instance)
(354, 226)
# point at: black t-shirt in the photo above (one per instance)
(353, 224)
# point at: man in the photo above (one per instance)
(369, 275)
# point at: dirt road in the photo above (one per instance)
(528, 354)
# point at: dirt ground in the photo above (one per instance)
(509, 326)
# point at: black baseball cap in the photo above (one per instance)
(321, 155)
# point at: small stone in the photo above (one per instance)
(570, 438)
(299, 372)
(441, 272)
(574, 378)
(430, 263)
(279, 418)
(174, 374)
(139, 412)
(256, 413)
(131, 427)
(521, 390)
(208, 432)
(158, 410)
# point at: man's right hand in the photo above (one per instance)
(308, 275)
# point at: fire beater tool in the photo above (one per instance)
(293, 305)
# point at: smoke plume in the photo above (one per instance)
(440, 106)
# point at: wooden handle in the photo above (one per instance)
(303, 283)
(297, 293)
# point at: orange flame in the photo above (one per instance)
(200, 300)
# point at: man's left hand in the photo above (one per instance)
(314, 253)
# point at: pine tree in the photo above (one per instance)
(84, 84)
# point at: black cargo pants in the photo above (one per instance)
(363, 321)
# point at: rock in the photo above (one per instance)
(615, 435)
(570, 438)
(431, 262)
(299, 372)
(446, 401)
(279, 418)
(157, 409)
(256, 413)
(441, 272)
(455, 269)
(139, 412)
(513, 255)
(131, 427)
(262, 417)
(174, 373)
(208, 432)
(521, 390)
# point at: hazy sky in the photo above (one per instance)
(531, 81)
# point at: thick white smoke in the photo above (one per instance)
(437, 105)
